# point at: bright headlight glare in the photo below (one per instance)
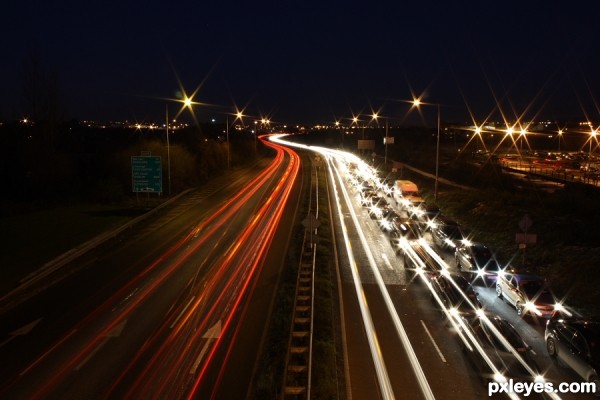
(499, 378)
(531, 307)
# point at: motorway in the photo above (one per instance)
(175, 310)
(398, 342)
(178, 307)
(417, 353)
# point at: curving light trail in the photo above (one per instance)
(213, 304)
(465, 332)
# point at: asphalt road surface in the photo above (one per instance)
(175, 309)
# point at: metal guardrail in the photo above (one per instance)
(298, 363)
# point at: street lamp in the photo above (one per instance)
(593, 134)
(522, 137)
(227, 134)
(187, 102)
(560, 132)
(478, 133)
(386, 140)
(255, 134)
(417, 103)
(168, 149)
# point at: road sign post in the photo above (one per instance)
(524, 238)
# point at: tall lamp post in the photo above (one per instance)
(417, 103)
(255, 134)
(227, 134)
(168, 150)
(560, 132)
(386, 140)
(593, 134)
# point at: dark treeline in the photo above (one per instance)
(53, 163)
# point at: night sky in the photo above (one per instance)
(305, 61)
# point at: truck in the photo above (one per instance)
(406, 188)
(407, 193)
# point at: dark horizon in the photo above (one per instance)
(303, 63)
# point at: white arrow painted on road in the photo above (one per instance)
(114, 332)
(24, 330)
(212, 333)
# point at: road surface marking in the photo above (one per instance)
(182, 311)
(211, 334)
(114, 332)
(46, 353)
(24, 330)
(387, 261)
(433, 341)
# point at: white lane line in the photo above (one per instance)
(387, 261)
(433, 341)
(36, 362)
(182, 311)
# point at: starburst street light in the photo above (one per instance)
(417, 103)
(593, 134)
(560, 132)
(522, 137)
(478, 133)
(238, 115)
(375, 117)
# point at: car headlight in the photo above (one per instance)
(558, 307)
(529, 306)
(449, 242)
(498, 377)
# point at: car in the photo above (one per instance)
(365, 197)
(388, 187)
(454, 290)
(364, 188)
(476, 258)
(403, 230)
(386, 221)
(446, 233)
(378, 204)
(528, 293)
(425, 213)
(492, 339)
(575, 343)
